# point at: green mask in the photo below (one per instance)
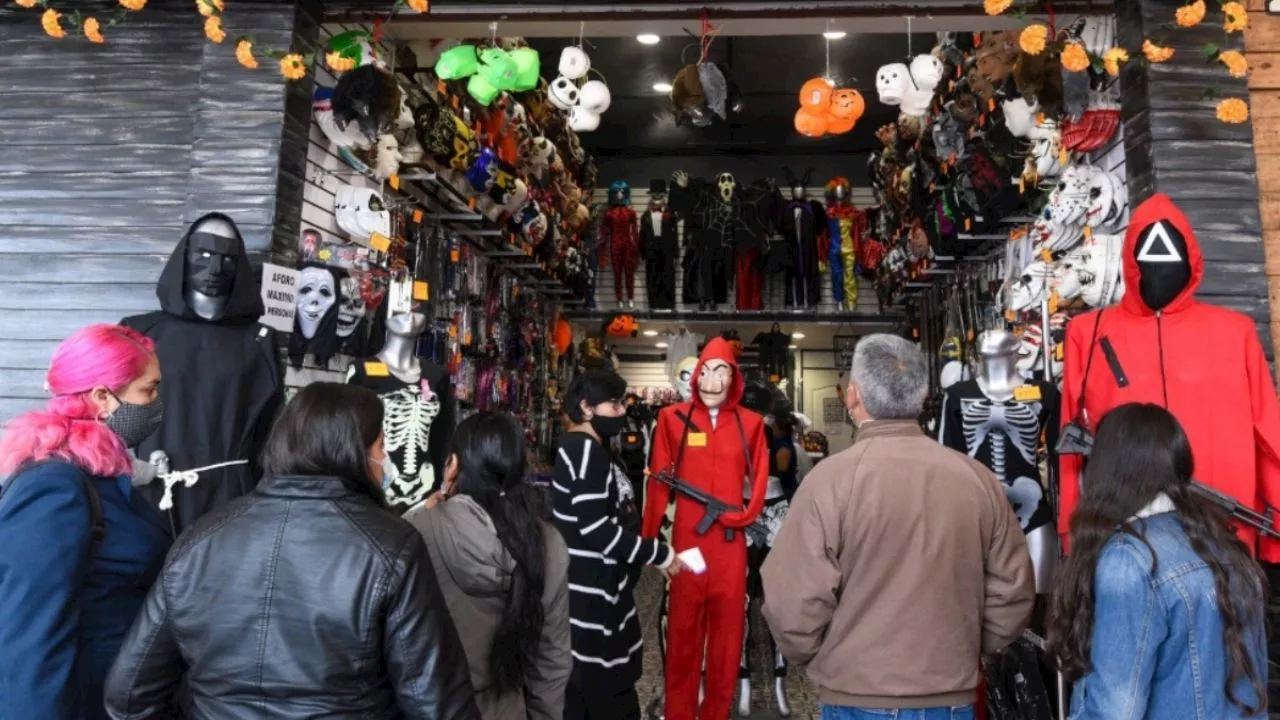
(457, 63)
(528, 66)
(479, 88)
(497, 67)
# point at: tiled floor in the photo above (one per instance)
(800, 693)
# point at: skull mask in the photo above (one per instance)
(726, 184)
(1029, 289)
(683, 380)
(892, 82)
(351, 307)
(563, 93)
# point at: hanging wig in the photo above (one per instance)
(323, 342)
(368, 96)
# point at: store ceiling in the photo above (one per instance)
(768, 70)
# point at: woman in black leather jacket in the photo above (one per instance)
(306, 598)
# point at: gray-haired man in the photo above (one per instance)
(900, 562)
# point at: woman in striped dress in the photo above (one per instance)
(594, 507)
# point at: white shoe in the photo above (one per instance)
(780, 697)
(744, 698)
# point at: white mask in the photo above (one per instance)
(352, 308)
(316, 294)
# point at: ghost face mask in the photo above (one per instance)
(714, 382)
(211, 258)
(684, 377)
(352, 309)
(317, 293)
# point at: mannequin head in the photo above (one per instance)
(658, 194)
(997, 352)
(683, 380)
(211, 265)
(1163, 264)
(839, 191)
(797, 183)
(408, 324)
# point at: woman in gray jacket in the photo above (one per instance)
(503, 570)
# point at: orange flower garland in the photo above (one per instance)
(421, 6)
(292, 67)
(1190, 15)
(1235, 17)
(213, 29)
(244, 55)
(996, 7)
(1233, 111)
(339, 64)
(51, 22)
(209, 8)
(1112, 59)
(26, 3)
(1033, 39)
(133, 4)
(1074, 57)
(1235, 61)
(92, 30)
(1156, 53)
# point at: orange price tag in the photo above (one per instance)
(453, 255)
(1026, 393)
(380, 242)
(417, 216)
(421, 291)
(376, 369)
(394, 182)
(471, 203)
(453, 331)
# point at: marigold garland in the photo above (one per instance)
(996, 7)
(133, 4)
(244, 55)
(26, 3)
(1033, 39)
(1235, 61)
(1233, 111)
(208, 8)
(51, 22)
(92, 30)
(1155, 53)
(421, 6)
(1235, 17)
(1074, 57)
(1113, 58)
(1190, 15)
(213, 29)
(339, 64)
(292, 67)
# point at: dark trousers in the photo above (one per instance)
(587, 704)
(660, 279)
(750, 280)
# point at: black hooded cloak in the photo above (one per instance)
(222, 386)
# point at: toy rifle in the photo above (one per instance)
(758, 533)
(1263, 521)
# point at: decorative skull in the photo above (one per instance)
(351, 307)
(892, 81)
(726, 184)
(927, 71)
(1070, 198)
(563, 93)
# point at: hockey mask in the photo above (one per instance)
(714, 382)
(683, 380)
(317, 293)
(1161, 254)
(1029, 289)
(1101, 282)
(351, 308)
(726, 185)
(212, 252)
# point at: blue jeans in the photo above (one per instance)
(836, 712)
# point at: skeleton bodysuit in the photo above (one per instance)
(1005, 437)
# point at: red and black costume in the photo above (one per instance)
(717, 453)
(1202, 362)
(618, 232)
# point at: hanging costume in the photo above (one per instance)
(720, 454)
(774, 348)
(660, 245)
(1202, 362)
(845, 225)
(722, 219)
(801, 227)
(223, 383)
(618, 234)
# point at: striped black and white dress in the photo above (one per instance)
(588, 497)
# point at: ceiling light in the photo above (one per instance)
(662, 87)
(793, 347)
(797, 336)
(661, 345)
(648, 39)
(651, 333)
(834, 34)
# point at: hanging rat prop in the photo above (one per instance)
(368, 96)
(315, 329)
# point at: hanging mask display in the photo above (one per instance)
(1019, 116)
(457, 63)
(574, 63)
(594, 97)
(563, 93)
(582, 120)
(360, 212)
(341, 137)
(1101, 276)
(369, 97)
(387, 162)
(892, 82)
(316, 324)
(1069, 201)
(1046, 148)
(1030, 288)
(351, 309)
(1108, 200)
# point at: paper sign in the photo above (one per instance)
(697, 439)
(380, 242)
(692, 558)
(279, 297)
(421, 291)
(417, 216)
(376, 369)
(1026, 393)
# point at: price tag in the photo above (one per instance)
(454, 255)
(697, 439)
(1026, 393)
(1057, 352)
(380, 242)
(453, 331)
(394, 182)
(376, 369)
(421, 291)
(417, 216)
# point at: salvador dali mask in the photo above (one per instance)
(714, 381)
(683, 380)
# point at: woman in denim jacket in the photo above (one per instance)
(1159, 613)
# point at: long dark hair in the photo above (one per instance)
(1141, 451)
(491, 469)
(327, 430)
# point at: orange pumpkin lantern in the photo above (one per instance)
(811, 124)
(815, 95)
(848, 103)
(837, 125)
(622, 325)
(563, 336)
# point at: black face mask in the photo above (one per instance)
(211, 264)
(607, 427)
(135, 423)
(1161, 254)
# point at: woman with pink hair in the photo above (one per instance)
(78, 550)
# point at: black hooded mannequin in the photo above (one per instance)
(223, 383)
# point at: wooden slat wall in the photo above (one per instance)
(1174, 144)
(108, 151)
(640, 201)
(1262, 40)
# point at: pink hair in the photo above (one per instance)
(68, 428)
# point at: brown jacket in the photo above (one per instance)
(474, 571)
(900, 563)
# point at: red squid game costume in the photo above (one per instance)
(1202, 362)
(724, 449)
(620, 233)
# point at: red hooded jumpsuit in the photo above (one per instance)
(1205, 359)
(706, 610)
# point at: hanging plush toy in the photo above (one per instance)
(368, 96)
(687, 98)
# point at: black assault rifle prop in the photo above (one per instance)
(757, 531)
(1263, 521)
